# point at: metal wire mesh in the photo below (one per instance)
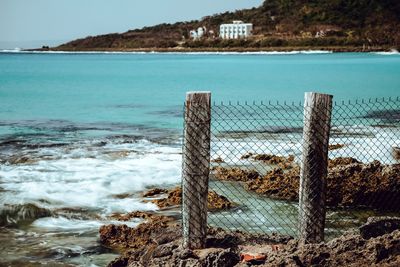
(256, 158)
(253, 166)
(249, 142)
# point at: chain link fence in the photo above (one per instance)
(264, 155)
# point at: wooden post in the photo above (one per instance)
(196, 167)
(314, 167)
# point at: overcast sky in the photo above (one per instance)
(25, 23)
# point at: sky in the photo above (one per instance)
(33, 23)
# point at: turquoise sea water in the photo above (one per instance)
(78, 131)
(149, 89)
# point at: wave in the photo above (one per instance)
(357, 141)
(88, 176)
(388, 53)
(66, 224)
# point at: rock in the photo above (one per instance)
(373, 185)
(277, 184)
(282, 161)
(158, 243)
(122, 196)
(218, 202)
(377, 226)
(131, 215)
(122, 236)
(164, 250)
(119, 262)
(154, 192)
(218, 257)
(187, 254)
(225, 240)
(235, 174)
(335, 146)
(114, 155)
(273, 159)
(219, 238)
(22, 159)
(12, 215)
(396, 153)
(348, 250)
(174, 198)
(218, 160)
(341, 161)
(247, 156)
(350, 183)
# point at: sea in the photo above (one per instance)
(82, 135)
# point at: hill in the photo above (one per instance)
(283, 24)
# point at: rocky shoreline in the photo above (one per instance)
(350, 183)
(158, 242)
(336, 49)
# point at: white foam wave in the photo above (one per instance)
(73, 180)
(65, 224)
(366, 144)
(388, 53)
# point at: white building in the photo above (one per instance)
(197, 34)
(237, 29)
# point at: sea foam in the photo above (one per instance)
(94, 182)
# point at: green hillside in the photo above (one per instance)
(373, 24)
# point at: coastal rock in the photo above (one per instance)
(247, 156)
(122, 236)
(277, 184)
(226, 249)
(377, 226)
(154, 192)
(218, 202)
(22, 159)
(218, 160)
(174, 198)
(340, 161)
(348, 250)
(235, 174)
(218, 257)
(154, 244)
(282, 161)
(12, 215)
(273, 159)
(349, 183)
(372, 185)
(335, 146)
(396, 153)
(131, 215)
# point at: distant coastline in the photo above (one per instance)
(282, 26)
(333, 49)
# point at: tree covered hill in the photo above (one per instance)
(277, 23)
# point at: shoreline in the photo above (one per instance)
(101, 52)
(239, 49)
(233, 50)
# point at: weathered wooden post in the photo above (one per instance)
(196, 167)
(314, 167)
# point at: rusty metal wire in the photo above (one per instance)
(256, 154)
